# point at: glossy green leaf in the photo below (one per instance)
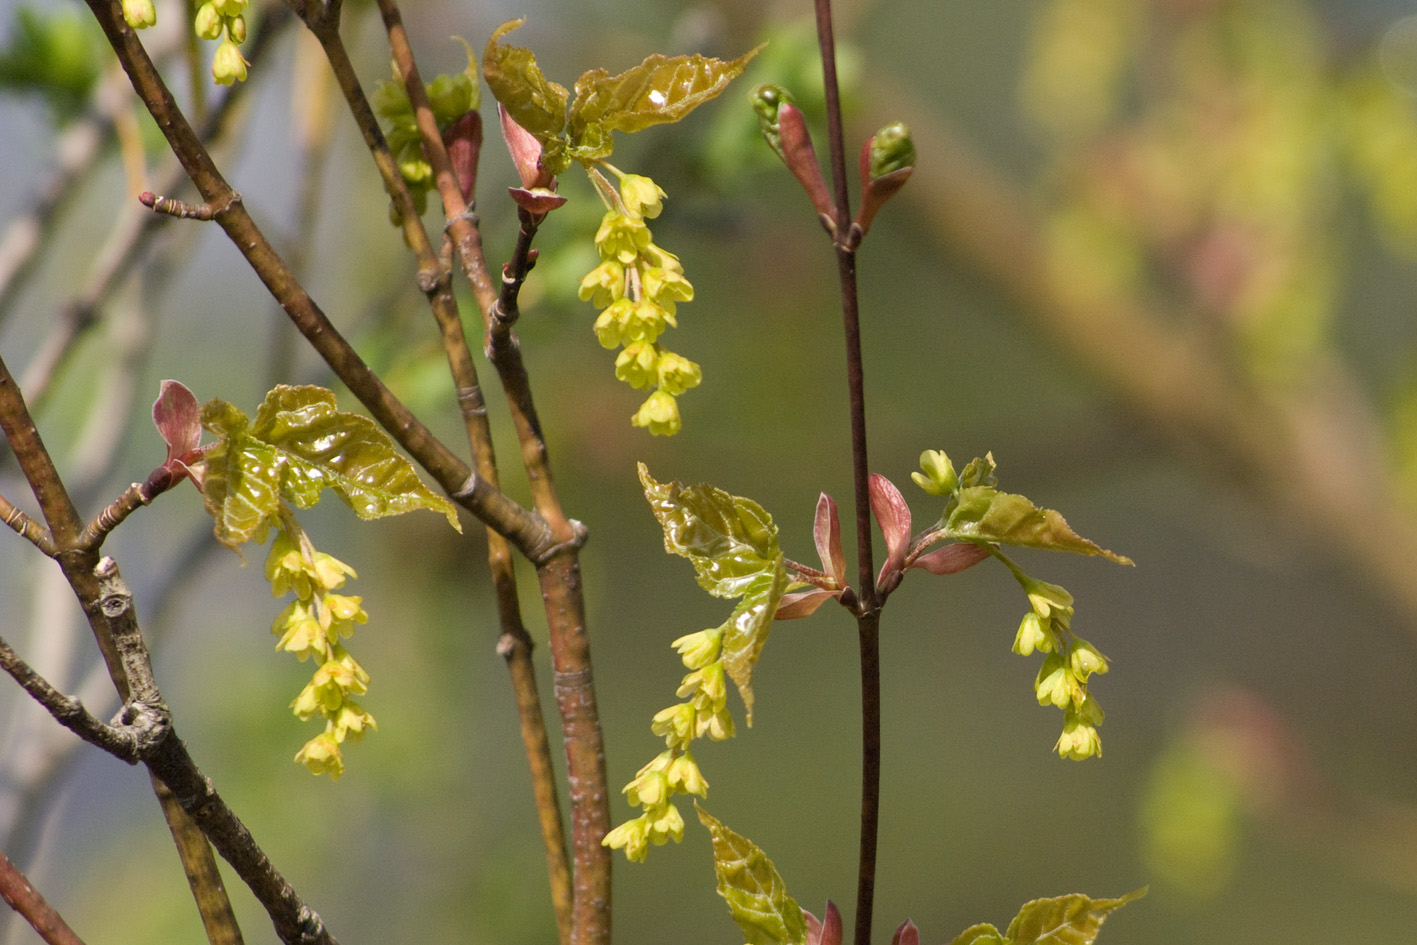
(534, 101)
(753, 889)
(298, 446)
(746, 631)
(660, 89)
(983, 934)
(731, 541)
(1066, 920)
(982, 513)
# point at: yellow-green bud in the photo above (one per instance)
(207, 23)
(236, 28)
(139, 14)
(228, 65)
(891, 150)
(939, 476)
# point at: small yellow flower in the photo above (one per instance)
(677, 373)
(638, 364)
(684, 776)
(698, 650)
(139, 14)
(642, 197)
(675, 723)
(621, 238)
(604, 284)
(228, 65)
(321, 755)
(659, 414)
(632, 836)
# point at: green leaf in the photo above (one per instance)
(298, 446)
(983, 934)
(981, 513)
(753, 889)
(732, 543)
(660, 89)
(1066, 920)
(746, 631)
(534, 102)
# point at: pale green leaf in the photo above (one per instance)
(660, 89)
(1066, 920)
(746, 631)
(731, 541)
(298, 446)
(983, 934)
(534, 101)
(981, 513)
(753, 889)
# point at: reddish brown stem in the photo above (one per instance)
(26, 900)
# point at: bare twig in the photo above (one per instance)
(26, 900)
(26, 527)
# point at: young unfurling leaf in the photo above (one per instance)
(732, 543)
(982, 513)
(298, 446)
(753, 888)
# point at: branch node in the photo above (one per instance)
(176, 208)
(579, 534)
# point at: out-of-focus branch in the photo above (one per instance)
(1289, 448)
(26, 900)
(585, 918)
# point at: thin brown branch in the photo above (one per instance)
(26, 900)
(120, 742)
(523, 528)
(558, 570)
(515, 643)
(26, 527)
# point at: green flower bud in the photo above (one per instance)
(1085, 659)
(1031, 636)
(450, 97)
(939, 477)
(236, 29)
(139, 14)
(228, 65)
(229, 8)
(208, 23)
(1055, 684)
(891, 150)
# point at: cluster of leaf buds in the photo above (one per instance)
(312, 626)
(886, 163)
(455, 99)
(637, 287)
(674, 771)
(224, 20)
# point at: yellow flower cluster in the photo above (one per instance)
(674, 771)
(1062, 680)
(636, 287)
(312, 626)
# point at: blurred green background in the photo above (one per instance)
(1228, 186)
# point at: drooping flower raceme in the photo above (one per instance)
(312, 626)
(637, 287)
(674, 771)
